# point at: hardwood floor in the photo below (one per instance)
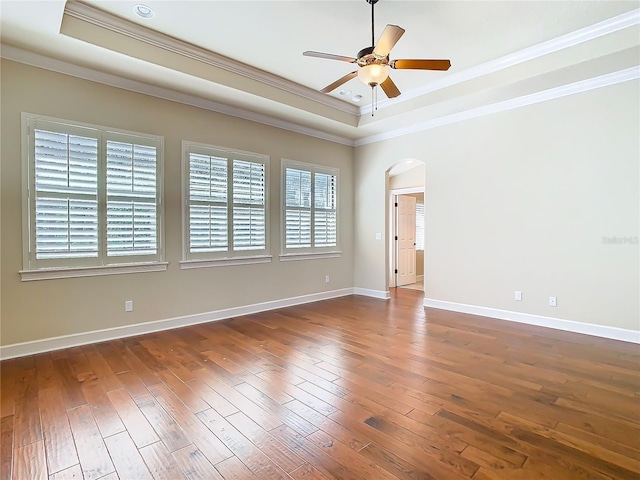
(349, 388)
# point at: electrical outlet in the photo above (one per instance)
(326, 279)
(518, 295)
(552, 301)
(128, 306)
(378, 236)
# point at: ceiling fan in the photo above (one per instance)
(374, 61)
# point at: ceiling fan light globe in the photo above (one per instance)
(373, 74)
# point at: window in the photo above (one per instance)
(310, 220)
(92, 198)
(419, 226)
(225, 205)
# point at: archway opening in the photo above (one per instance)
(405, 189)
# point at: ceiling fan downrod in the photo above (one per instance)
(373, 37)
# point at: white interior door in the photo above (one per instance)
(406, 240)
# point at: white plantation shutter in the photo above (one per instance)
(325, 219)
(131, 199)
(208, 223)
(66, 195)
(419, 226)
(310, 208)
(92, 195)
(249, 205)
(225, 203)
(297, 208)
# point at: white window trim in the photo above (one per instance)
(45, 273)
(224, 262)
(291, 257)
(221, 259)
(307, 253)
(75, 272)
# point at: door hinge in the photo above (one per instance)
(396, 238)
(396, 271)
(396, 204)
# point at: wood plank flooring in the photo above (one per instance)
(350, 388)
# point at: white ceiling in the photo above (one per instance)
(245, 57)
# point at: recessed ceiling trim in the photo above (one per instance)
(606, 80)
(100, 18)
(606, 27)
(36, 60)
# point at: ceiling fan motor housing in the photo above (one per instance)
(366, 57)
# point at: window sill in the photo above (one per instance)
(74, 272)
(290, 257)
(223, 262)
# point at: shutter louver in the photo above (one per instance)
(66, 195)
(131, 199)
(298, 228)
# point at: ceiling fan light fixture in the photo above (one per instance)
(373, 74)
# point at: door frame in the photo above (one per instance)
(393, 246)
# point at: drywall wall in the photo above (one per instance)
(49, 308)
(412, 178)
(543, 199)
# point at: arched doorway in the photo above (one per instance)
(406, 197)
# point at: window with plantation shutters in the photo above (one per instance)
(310, 221)
(225, 197)
(92, 198)
(420, 226)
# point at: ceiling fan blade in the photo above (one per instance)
(329, 56)
(390, 88)
(339, 82)
(388, 39)
(420, 64)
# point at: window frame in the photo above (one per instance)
(102, 264)
(312, 252)
(230, 256)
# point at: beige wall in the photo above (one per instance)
(521, 200)
(48, 308)
(413, 178)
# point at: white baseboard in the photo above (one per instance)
(419, 278)
(372, 293)
(67, 341)
(74, 340)
(614, 333)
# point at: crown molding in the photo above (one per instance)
(100, 18)
(59, 66)
(613, 78)
(36, 60)
(606, 27)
